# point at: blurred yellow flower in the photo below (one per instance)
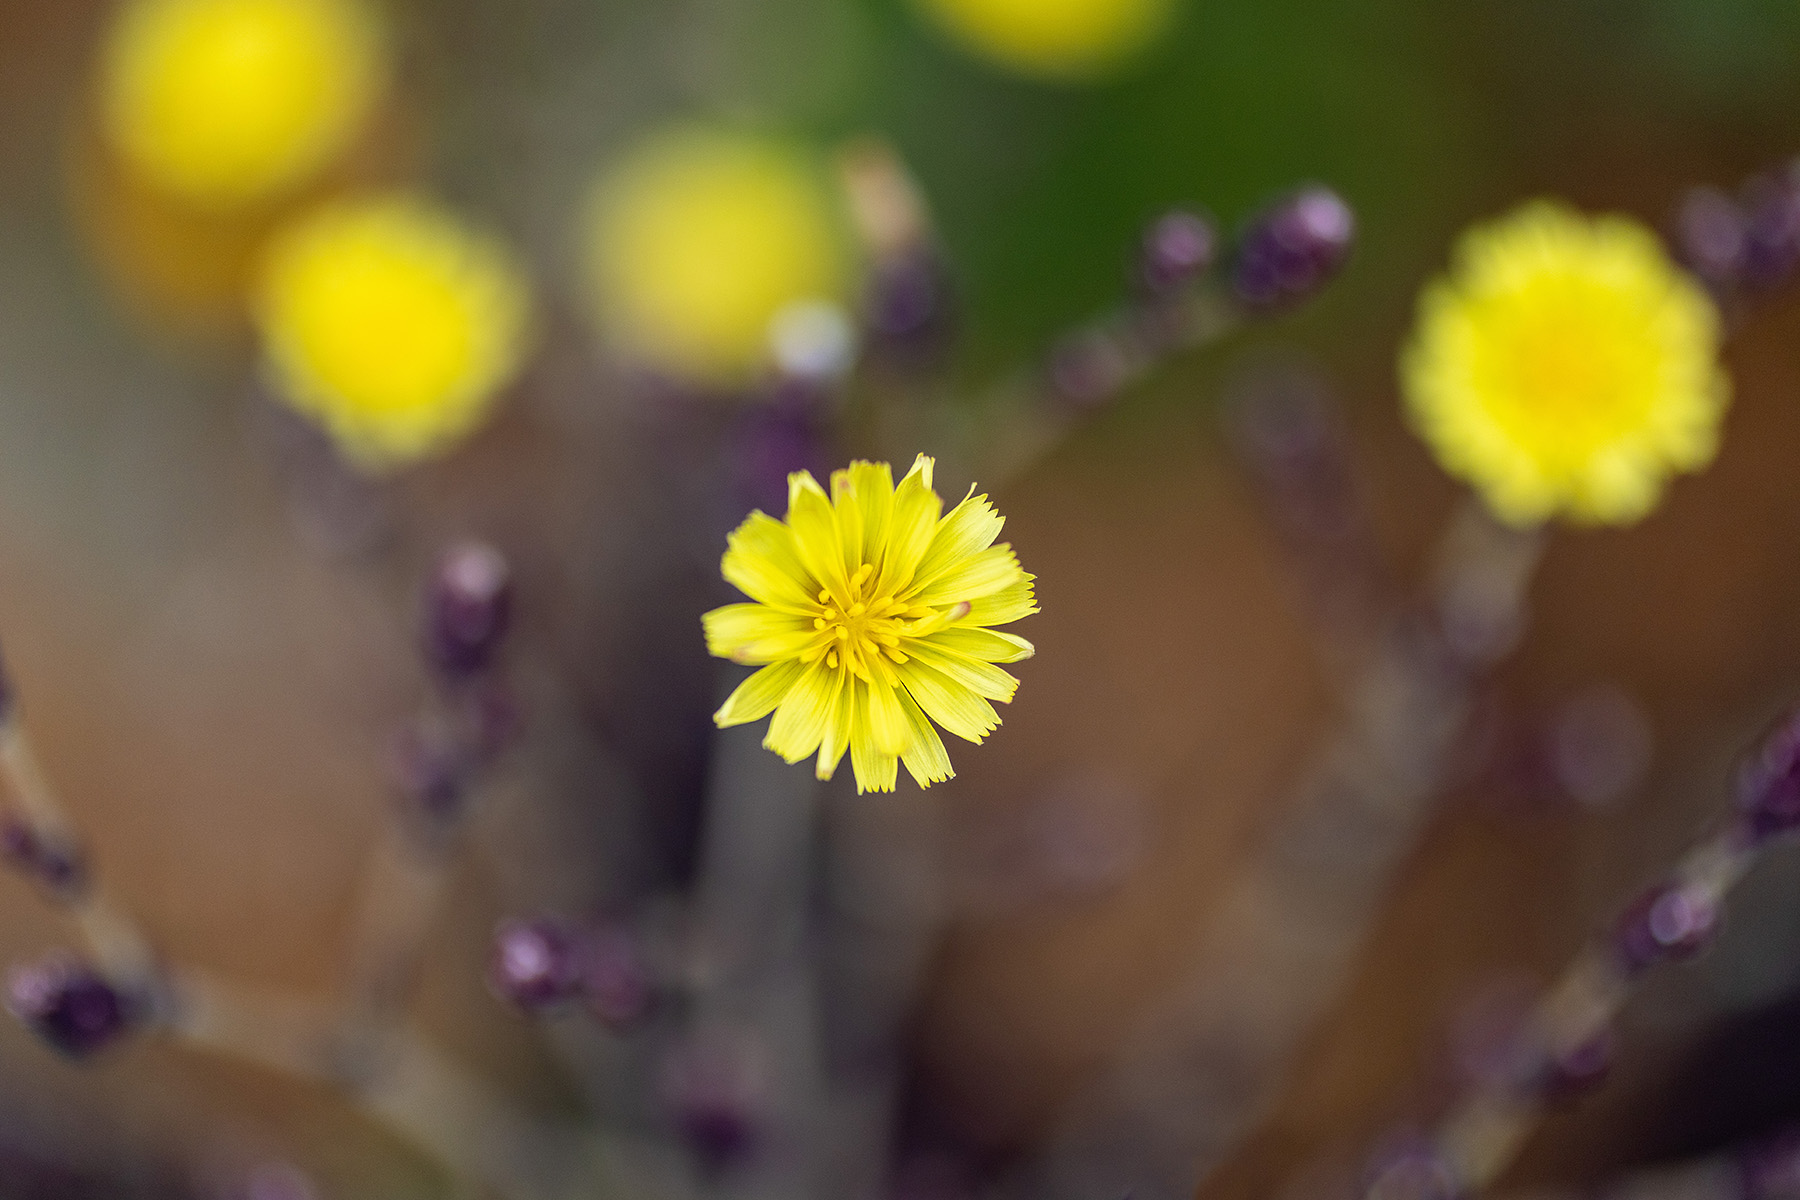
(699, 240)
(1566, 366)
(391, 324)
(226, 101)
(872, 613)
(1057, 39)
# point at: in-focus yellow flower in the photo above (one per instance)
(226, 101)
(699, 240)
(872, 618)
(1055, 39)
(1566, 367)
(391, 324)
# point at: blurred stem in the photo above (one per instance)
(397, 1078)
(1484, 1133)
(120, 950)
(1210, 1058)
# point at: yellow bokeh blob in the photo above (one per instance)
(699, 240)
(1053, 39)
(391, 324)
(223, 102)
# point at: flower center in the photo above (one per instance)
(863, 633)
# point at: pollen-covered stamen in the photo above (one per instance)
(866, 637)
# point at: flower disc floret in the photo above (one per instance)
(872, 616)
(1566, 367)
(392, 324)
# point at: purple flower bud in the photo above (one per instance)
(1768, 782)
(1772, 238)
(1409, 1169)
(468, 606)
(533, 965)
(716, 1097)
(908, 307)
(615, 976)
(1665, 924)
(1178, 248)
(1088, 368)
(1712, 237)
(1293, 249)
(770, 442)
(68, 1004)
(431, 774)
(1580, 1068)
(55, 865)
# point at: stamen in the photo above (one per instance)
(858, 609)
(886, 639)
(843, 633)
(831, 614)
(818, 622)
(898, 656)
(824, 595)
(831, 660)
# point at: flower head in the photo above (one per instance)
(1056, 39)
(392, 324)
(699, 241)
(226, 101)
(873, 617)
(1566, 366)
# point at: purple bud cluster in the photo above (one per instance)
(1178, 248)
(53, 863)
(1768, 782)
(541, 964)
(1293, 249)
(69, 1004)
(1745, 243)
(717, 1100)
(468, 608)
(1668, 923)
(908, 307)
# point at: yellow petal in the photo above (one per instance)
(915, 515)
(873, 486)
(926, 761)
(885, 718)
(837, 726)
(1011, 603)
(949, 703)
(984, 679)
(757, 696)
(875, 771)
(799, 724)
(988, 645)
(755, 633)
(967, 529)
(809, 515)
(763, 562)
(985, 573)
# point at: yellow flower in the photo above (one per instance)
(1566, 367)
(391, 324)
(1056, 39)
(872, 613)
(699, 240)
(226, 101)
